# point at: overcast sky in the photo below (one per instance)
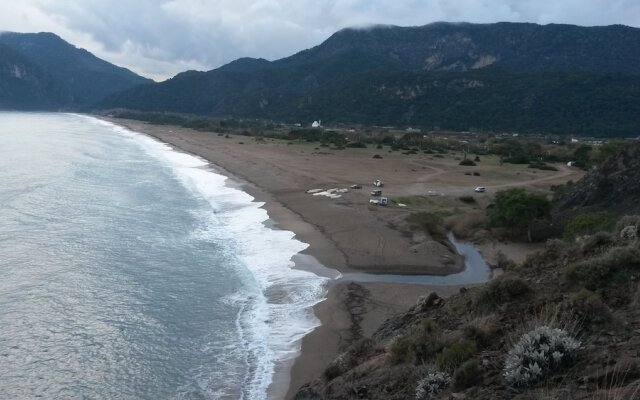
(159, 38)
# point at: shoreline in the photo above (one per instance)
(328, 253)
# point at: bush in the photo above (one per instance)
(455, 354)
(355, 354)
(543, 166)
(430, 222)
(627, 227)
(588, 307)
(477, 159)
(357, 145)
(588, 224)
(467, 375)
(503, 289)
(537, 354)
(332, 371)
(482, 331)
(432, 384)
(467, 199)
(420, 344)
(600, 271)
(378, 156)
(467, 162)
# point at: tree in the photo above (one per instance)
(517, 208)
(582, 156)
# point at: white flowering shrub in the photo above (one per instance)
(538, 353)
(429, 386)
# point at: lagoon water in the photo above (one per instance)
(132, 271)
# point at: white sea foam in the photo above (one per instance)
(274, 321)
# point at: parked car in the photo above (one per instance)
(383, 201)
(480, 189)
(376, 192)
(356, 186)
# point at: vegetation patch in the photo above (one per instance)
(468, 199)
(542, 166)
(356, 354)
(612, 266)
(539, 353)
(467, 162)
(432, 384)
(467, 375)
(455, 354)
(588, 224)
(420, 344)
(517, 209)
(430, 222)
(503, 289)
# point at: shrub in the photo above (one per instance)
(467, 199)
(464, 225)
(379, 146)
(598, 272)
(587, 244)
(432, 384)
(537, 354)
(430, 222)
(332, 371)
(502, 289)
(627, 227)
(588, 306)
(355, 354)
(543, 166)
(377, 156)
(420, 344)
(357, 145)
(468, 162)
(401, 350)
(455, 354)
(477, 159)
(482, 331)
(587, 224)
(467, 375)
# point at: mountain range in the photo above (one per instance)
(502, 77)
(495, 77)
(40, 71)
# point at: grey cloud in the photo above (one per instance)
(162, 37)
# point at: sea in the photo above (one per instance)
(131, 270)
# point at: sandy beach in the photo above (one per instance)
(348, 233)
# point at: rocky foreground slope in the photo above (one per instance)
(565, 324)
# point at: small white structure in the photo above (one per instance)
(573, 140)
(378, 183)
(571, 164)
(316, 124)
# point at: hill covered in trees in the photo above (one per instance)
(492, 77)
(40, 71)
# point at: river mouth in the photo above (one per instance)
(476, 270)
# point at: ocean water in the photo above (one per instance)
(129, 270)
